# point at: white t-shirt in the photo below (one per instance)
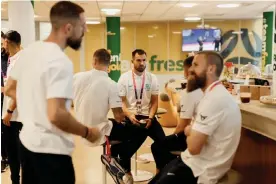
(189, 102)
(7, 100)
(43, 72)
(94, 94)
(126, 88)
(218, 117)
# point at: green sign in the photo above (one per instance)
(162, 66)
(267, 48)
(114, 45)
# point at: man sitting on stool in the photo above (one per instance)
(94, 94)
(139, 91)
(190, 98)
(213, 138)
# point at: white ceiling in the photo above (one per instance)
(158, 10)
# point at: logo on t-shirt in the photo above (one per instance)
(147, 87)
(202, 117)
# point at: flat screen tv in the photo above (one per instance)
(201, 39)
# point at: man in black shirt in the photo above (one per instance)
(4, 65)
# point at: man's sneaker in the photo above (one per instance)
(4, 166)
(114, 169)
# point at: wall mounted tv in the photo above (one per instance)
(201, 39)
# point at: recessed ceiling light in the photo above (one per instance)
(237, 32)
(122, 28)
(155, 27)
(150, 36)
(176, 32)
(228, 5)
(187, 5)
(192, 18)
(92, 22)
(110, 11)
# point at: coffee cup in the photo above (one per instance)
(245, 97)
(143, 122)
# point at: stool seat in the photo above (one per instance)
(177, 153)
(231, 177)
(112, 143)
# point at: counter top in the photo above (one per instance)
(256, 107)
(259, 118)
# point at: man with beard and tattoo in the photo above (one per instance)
(213, 138)
(42, 85)
(139, 90)
(189, 101)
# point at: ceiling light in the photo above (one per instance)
(35, 16)
(237, 32)
(213, 27)
(228, 5)
(92, 22)
(187, 5)
(155, 27)
(110, 11)
(176, 32)
(150, 36)
(192, 18)
(122, 28)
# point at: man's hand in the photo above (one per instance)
(149, 122)
(188, 130)
(93, 134)
(133, 119)
(7, 118)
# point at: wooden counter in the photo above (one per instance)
(255, 159)
(259, 118)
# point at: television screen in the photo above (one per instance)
(201, 39)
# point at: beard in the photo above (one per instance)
(140, 69)
(196, 81)
(74, 43)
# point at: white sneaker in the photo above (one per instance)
(128, 179)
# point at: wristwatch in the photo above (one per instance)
(9, 111)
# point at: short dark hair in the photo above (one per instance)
(139, 52)
(214, 58)
(2, 35)
(188, 61)
(64, 12)
(13, 36)
(103, 56)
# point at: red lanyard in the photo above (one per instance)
(142, 87)
(214, 85)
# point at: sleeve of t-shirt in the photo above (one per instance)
(208, 118)
(59, 80)
(114, 97)
(15, 72)
(187, 105)
(122, 86)
(155, 85)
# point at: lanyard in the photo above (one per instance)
(142, 87)
(214, 85)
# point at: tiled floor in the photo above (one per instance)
(88, 167)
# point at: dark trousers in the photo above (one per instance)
(4, 153)
(155, 131)
(131, 137)
(176, 172)
(161, 150)
(41, 168)
(11, 133)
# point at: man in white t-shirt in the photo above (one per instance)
(139, 90)
(94, 95)
(9, 110)
(213, 138)
(189, 101)
(41, 82)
